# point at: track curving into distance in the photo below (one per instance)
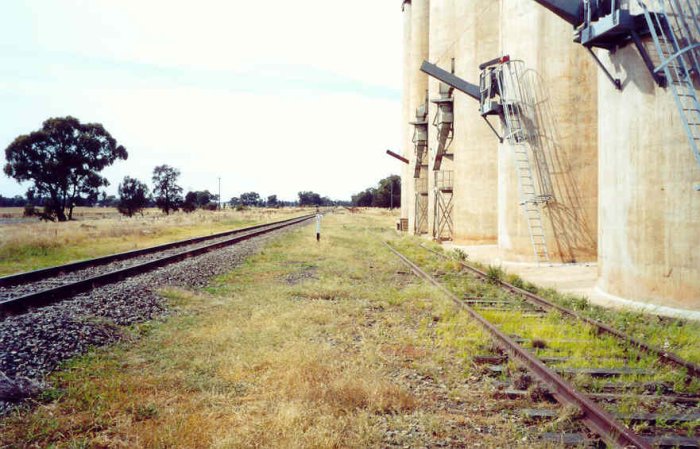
(20, 292)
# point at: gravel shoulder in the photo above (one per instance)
(32, 345)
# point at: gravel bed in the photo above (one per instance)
(79, 275)
(35, 343)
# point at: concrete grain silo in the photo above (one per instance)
(603, 118)
(475, 145)
(406, 184)
(463, 150)
(559, 78)
(650, 213)
(441, 198)
(417, 85)
(649, 207)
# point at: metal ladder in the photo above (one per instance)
(517, 136)
(675, 37)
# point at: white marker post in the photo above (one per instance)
(318, 226)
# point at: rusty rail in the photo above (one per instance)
(594, 417)
(665, 356)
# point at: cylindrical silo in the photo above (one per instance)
(475, 146)
(418, 84)
(561, 80)
(442, 49)
(649, 228)
(407, 150)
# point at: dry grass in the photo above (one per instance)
(99, 231)
(357, 356)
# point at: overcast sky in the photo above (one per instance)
(273, 96)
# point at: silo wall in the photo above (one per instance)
(418, 81)
(475, 146)
(407, 150)
(649, 211)
(562, 79)
(442, 35)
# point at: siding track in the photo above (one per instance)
(629, 393)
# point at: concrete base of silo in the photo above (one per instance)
(578, 279)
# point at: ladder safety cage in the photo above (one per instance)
(504, 92)
(420, 137)
(444, 123)
(675, 31)
(443, 196)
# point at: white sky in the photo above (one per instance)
(273, 96)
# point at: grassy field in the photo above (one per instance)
(100, 231)
(306, 345)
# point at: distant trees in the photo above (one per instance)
(15, 201)
(250, 199)
(309, 198)
(190, 203)
(105, 200)
(272, 201)
(387, 187)
(387, 194)
(167, 193)
(201, 199)
(364, 198)
(63, 161)
(133, 196)
(207, 200)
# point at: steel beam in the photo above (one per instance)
(397, 156)
(451, 80)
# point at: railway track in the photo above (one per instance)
(23, 291)
(625, 392)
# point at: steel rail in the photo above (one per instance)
(21, 304)
(594, 417)
(665, 356)
(43, 273)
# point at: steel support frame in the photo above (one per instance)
(421, 214)
(616, 81)
(442, 217)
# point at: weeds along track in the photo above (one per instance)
(22, 291)
(567, 369)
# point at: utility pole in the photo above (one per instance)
(219, 192)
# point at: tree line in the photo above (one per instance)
(386, 194)
(63, 161)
